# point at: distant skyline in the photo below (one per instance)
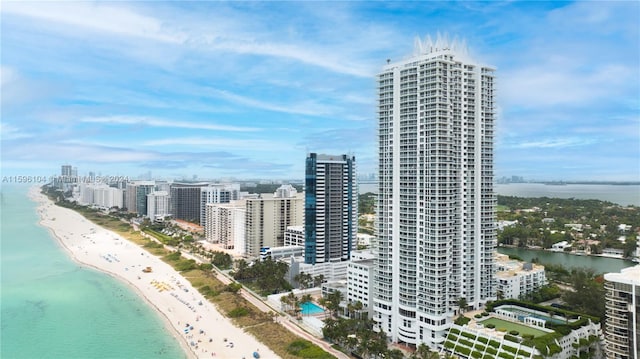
(248, 89)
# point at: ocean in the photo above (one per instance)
(620, 194)
(52, 307)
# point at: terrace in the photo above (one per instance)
(518, 330)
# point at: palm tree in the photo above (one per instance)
(350, 309)
(298, 279)
(394, 354)
(323, 302)
(285, 301)
(424, 352)
(317, 280)
(333, 301)
(462, 304)
(303, 279)
(357, 308)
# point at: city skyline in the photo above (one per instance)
(249, 89)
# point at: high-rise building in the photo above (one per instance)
(268, 217)
(66, 178)
(622, 324)
(186, 200)
(217, 193)
(66, 170)
(225, 224)
(136, 196)
(435, 207)
(331, 208)
(158, 204)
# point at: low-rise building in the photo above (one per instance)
(332, 271)
(560, 246)
(294, 236)
(494, 336)
(516, 278)
(276, 253)
(359, 277)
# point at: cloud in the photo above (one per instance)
(552, 143)
(551, 85)
(356, 141)
(157, 122)
(126, 22)
(100, 17)
(305, 107)
(9, 132)
(252, 144)
(325, 60)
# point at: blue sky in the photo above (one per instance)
(247, 89)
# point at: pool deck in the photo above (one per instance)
(476, 324)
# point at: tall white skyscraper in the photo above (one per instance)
(436, 202)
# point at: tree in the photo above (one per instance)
(318, 280)
(303, 279)
(462, 304)
(333, 301)
(323, 302)
(424, 352)
(588, 294)
(395, 354)
(630, 246)
(285, 302)
(291, 300)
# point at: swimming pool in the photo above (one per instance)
(523, 312)
(309, 308)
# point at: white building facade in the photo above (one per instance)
(436, 205)
(225, 224)
(294, 236)
(360, 283)
(516, 278)
(100, 195)
(158, 205)
(217, 193)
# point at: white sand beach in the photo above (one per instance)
(201, 329)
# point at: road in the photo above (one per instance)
(264, 307)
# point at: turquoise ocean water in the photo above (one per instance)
(52, 307)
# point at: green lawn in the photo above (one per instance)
(509, 326)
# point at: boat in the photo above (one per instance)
(147, 270)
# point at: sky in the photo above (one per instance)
(247, 89)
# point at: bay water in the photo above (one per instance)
(53, 307)
(620, 194)
(624, 195)
(598, 264)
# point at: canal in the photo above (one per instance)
(598, 264)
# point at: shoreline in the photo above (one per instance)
(209, 334)
(608, 256)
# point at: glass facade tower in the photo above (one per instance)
(331, 208)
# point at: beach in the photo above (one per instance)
(201, 329)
